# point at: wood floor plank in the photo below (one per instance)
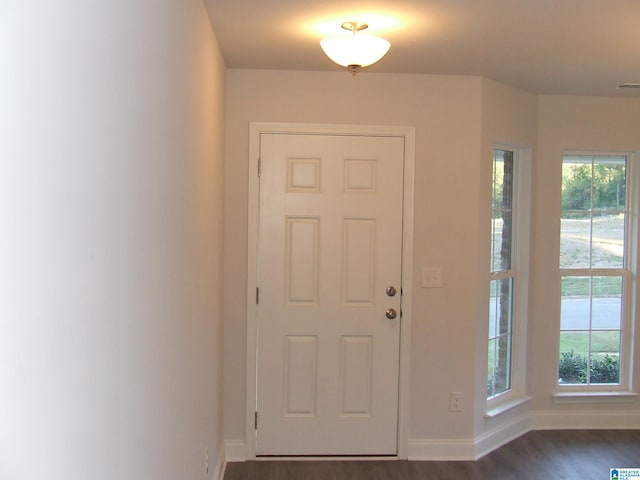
(557, 454)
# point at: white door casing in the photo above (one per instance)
(329, 361)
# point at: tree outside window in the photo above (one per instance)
(502, 275)
(593, 268)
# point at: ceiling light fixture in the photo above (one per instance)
(355, 51)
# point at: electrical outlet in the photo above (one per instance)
(432, 277)
(455, 402)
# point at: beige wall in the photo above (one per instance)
(458, 120)
(446, 113)
(509, 116)
(112, 134)
(111, 200)
(586, 123)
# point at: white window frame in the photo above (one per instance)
(587, 393)
(521, 208)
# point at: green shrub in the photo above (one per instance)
(573, 369)
(606, 370)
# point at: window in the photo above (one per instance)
(502, 275)
(508, 273)
(594, 259)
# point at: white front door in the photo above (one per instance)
(329, 276)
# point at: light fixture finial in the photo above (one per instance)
(354, 26)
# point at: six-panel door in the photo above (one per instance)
(330, 246)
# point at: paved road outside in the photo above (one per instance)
(606, 314)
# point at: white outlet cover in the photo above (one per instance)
(431, 277)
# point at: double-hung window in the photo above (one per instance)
(594, 268)
(508, 274)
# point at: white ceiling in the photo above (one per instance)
(582, 47)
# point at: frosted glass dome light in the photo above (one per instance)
(355, 51)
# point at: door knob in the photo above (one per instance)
(391, 313)
(391, 291)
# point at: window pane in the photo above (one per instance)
(499, 368)
(605, 343)
(575, 303)
(491, 368)
(606, 303)
(500, 338)
(605, 357)
(502, 179)
(501, 218)
(574, 351)
(505, 240)
(591, 318)
(496, 243)
(501, 290)
(498, 172)
(608, 241)
(500, 307)
(575, 239)
(503, 364)
(505, 303)
(494, 309)
(609, 183)
(576, 183)
(593, 202)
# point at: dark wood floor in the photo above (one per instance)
(538, 455)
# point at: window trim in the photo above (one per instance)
(521, 207)
(608, 393)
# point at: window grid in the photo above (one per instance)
(592, 292)
(502, 276)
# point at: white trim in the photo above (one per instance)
(628, 273)
(585, 420)
(520, 273)
(234, 451)
(524, 197)
(408, 133)
(253, 215)
(507, 406)
(471, 449)
(584, 397)
(221, 464)
(501, 435)
(440, 449)
(474, 449)
(404, 377)
(628, 345)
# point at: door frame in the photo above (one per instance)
(256, 129)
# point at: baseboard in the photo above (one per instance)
(221, 464)
(585, 420)
(467, 450)
(473, 449)
(234, 451)
(501, 435)
(444, 449)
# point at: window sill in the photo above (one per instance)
(506, 407)
(567, 398)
